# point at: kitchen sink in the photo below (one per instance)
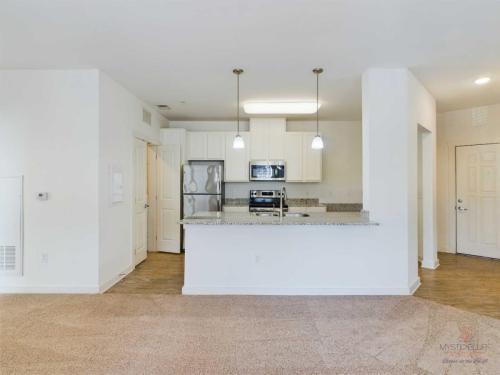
(266, 214)
(296, 214)
(286, 214)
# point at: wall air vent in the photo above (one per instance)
(11, 226)
(146, 116)
(8, 259)
(479, 116)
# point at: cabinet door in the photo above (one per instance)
(276, 142)
(311, 159)
(259, 139)
(216, 146)
(236, 162)
(196, 146)
(293, 156)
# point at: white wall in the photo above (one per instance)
(49, 134)
(341, 161)
(463, 127)
(394, 105)
(120, 114)
(63, 130)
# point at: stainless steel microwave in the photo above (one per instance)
(267, 170)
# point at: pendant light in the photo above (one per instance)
(317, 142)
(238, 141)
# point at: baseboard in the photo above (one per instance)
(108, 284)
(413, 288)
(221, 290)
(50, 289)
(432, 265)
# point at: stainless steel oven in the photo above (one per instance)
(266, 201)
(267, 170)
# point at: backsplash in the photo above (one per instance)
(304, 202)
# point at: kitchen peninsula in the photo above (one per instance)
(322, 253)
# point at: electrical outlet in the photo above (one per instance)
(45, 258)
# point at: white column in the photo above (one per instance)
(394, 104)
(429, 204)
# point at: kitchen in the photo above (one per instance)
(249, 187)
(282, 214)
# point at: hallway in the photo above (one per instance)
(160, 273)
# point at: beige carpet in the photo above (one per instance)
(158, 334)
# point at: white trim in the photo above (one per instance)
(50, 289)
(108, 284)
(222, 290)
(432, 265)
(413, 287)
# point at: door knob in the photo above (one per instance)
(146, 205)
(460, 208)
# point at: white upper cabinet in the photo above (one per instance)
(293, 156)
(236, 164)
(196, 146)
(311, 159)
(216, 146)
(205, 146)
(303, 164)
(267, 138)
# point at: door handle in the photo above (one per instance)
(146, 205)
(460, 208)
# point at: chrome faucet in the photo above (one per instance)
(283, 197)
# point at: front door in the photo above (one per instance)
(140, 201)
(478, 200)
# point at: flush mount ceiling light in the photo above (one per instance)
(238, 141)
(317, 142)
(280, 108)
(482, 80)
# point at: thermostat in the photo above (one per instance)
(42, 196)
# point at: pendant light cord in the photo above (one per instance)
(317, 104)
(238, 103)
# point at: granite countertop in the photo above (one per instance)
(230, 218)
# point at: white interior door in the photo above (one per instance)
(140, 201)
(169, 198)
(478, 200)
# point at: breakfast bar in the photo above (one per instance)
(315, 254)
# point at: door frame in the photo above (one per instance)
(456, 186)
(151, 188)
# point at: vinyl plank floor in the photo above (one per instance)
(466, 282)
(160, 273)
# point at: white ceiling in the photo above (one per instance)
(169, 52)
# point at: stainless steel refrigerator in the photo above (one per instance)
(202, 187)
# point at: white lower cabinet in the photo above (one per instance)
(237, 161)
(303, 164)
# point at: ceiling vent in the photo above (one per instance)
(146, 116)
